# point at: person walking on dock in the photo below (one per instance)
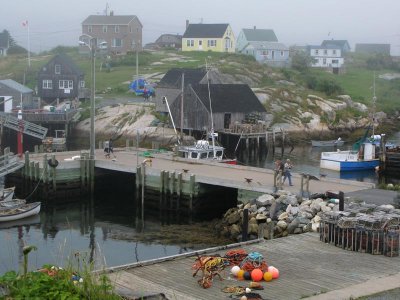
(287, 172)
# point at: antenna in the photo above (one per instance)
(211, 112)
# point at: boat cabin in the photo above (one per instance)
(201, 150)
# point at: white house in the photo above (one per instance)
(327, 57)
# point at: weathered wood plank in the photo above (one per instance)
(307, 267)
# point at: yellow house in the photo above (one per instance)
(208, 37)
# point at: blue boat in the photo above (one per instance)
(362, 157)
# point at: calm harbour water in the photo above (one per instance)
(110, 231)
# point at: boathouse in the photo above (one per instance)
(230, 104)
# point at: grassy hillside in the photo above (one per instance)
(356, 82)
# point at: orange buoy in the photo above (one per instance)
(256, 275)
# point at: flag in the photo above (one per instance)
(25, 23)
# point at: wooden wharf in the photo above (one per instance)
(166, 173)
(307, 267)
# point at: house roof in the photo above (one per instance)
(260, 35)
(229, 98)
(173, 78)
(109, 20)
(373, 48)
(168, 38)
(67, 61)
(335, 47)
(4, 42)
(266, 46)
(15, 86)
(205, 30)
(338, 43)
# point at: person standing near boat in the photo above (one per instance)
(287, 172)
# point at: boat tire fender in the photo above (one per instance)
(53, 164)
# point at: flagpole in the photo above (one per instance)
(29, 46)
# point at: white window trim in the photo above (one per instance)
(114, 44)
(104, 28)
(90, 28)
(65, 84)
(57, 67)
(82, 83)
(47, 84)
(116, 29)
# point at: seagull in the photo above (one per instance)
(248, 180)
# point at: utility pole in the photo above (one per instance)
(92, 111)
(182, 96)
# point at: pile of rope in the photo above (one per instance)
(235, 257)
(252, 261)
(212, 266)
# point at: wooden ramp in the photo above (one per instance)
(307, 267)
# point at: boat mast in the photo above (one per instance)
(373, 109)
(211, 113)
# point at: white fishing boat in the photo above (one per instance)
(350, 160)
(202, 150)
(17, 212)
(330, 143)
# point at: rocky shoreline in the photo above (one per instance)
(283, 213)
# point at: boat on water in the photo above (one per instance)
(7, 194)
(20, 211)
(202, 150)
(350, 160)
(330, 143)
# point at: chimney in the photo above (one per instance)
(254, 27)
(187, 24)
(111, 13)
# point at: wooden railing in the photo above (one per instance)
(9, 162)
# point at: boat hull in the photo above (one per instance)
(343, 166)
(19, 212)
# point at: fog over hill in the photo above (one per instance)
(300, 22)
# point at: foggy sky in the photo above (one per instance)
(300, 22)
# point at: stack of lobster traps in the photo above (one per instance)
(376, 233)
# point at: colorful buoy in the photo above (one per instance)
(240, 274)
(256, 275)
(235, 270)
(274, 271)
(247, 275)
(267, 276)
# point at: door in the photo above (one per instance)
(227, 121)
(200, 45)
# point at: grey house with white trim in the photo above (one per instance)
(263, 45)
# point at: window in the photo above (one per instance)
(335, 61)
(325, 52)
(212, 43)
(116, 28)
(265, 52)
(130, 29)
(117, 42)
(57, 69)
(334, 52)
(282, 53)
(324, 61)
(316, 51)
(65, 84)
(200, 42)
(190, 43)
(82, 83)
(47, 84)
(105, 28)
(89, 28)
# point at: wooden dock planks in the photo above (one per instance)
(307, 267)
